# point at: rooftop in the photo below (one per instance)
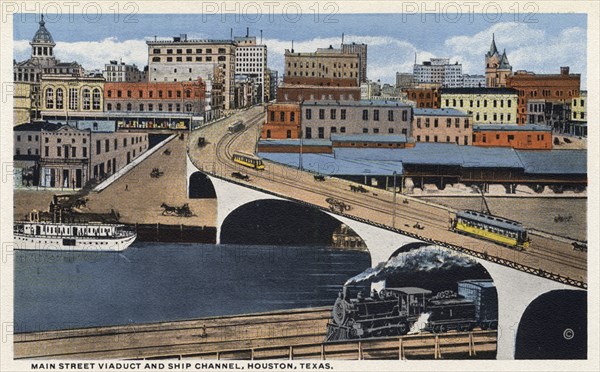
(438, 112)
(36, 126)
(478, 90)
(364, 103)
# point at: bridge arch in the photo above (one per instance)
(280, 222)
(554, 326)
(201, 187)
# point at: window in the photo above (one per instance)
(308, 133)
(106, 145)
(59, 99)
(96, 97)
(333, 130)
(391, 115)
(435, 123)
(288, 134)
(73, 99)
(365, 115)
(115, 143)
(376, 115)
(375, 130)
(456, 122)
(333, 113)
(74, 152)
(292, 116)
(342, 129)
(282, 116)
(418, 122)
(272, 116)
(49, 98)
(321, 114)
(321, 132)
(390, 130)
(308, 114)
(365, 130)
(84, 152)
(343, 114)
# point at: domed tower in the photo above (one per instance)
(492, 63)
(42, 45)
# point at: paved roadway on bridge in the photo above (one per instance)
(549, 253)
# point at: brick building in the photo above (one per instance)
(520, 137)
(561, 87)
(321, 119)
(424, 97)
(324, 63)
(442, 125)
(298, 89)
(282, 121)
(182, 59)
(178, 97)
(487, 105)
(63, 156)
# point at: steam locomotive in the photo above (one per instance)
(394, 311)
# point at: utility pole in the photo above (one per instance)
(394, 205)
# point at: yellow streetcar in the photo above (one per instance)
(486, 226)
(248, 160)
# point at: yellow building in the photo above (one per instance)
(71, 95)
(578, 107)
(487, 105)
(24, 103)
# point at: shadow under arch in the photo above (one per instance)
(280, 222)
(201, 187)
(554, 326)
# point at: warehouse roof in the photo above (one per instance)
(438, 112)
(554, 162)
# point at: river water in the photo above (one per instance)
(154, 282)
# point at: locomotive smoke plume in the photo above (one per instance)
(421, 259)
(419, 324)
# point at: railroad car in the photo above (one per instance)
(248, 160)
(394, 311)
(493, 228)
(236, 127)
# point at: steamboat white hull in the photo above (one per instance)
(68, 243)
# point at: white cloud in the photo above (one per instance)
(93, 54)
(527, 48)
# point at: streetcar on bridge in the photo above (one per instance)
(248, 160)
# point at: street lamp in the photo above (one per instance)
(394, 206)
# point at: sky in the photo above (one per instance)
(541, 43)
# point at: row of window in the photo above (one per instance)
(436, 139)
(150, 93)
(365, 114)
(319, 74)
(334, 130)
(495, 117)
(495, 103)
(188, 107)
(320, 65)
(427, 122)
(511, 137)
(29, 138)
(188, 59)
(90, 100)
(189, 51)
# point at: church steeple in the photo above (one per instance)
(493, 49)
(504, 64)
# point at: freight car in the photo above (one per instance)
(394, 311)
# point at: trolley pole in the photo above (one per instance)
(394, 203)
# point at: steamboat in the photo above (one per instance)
(62, 236)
